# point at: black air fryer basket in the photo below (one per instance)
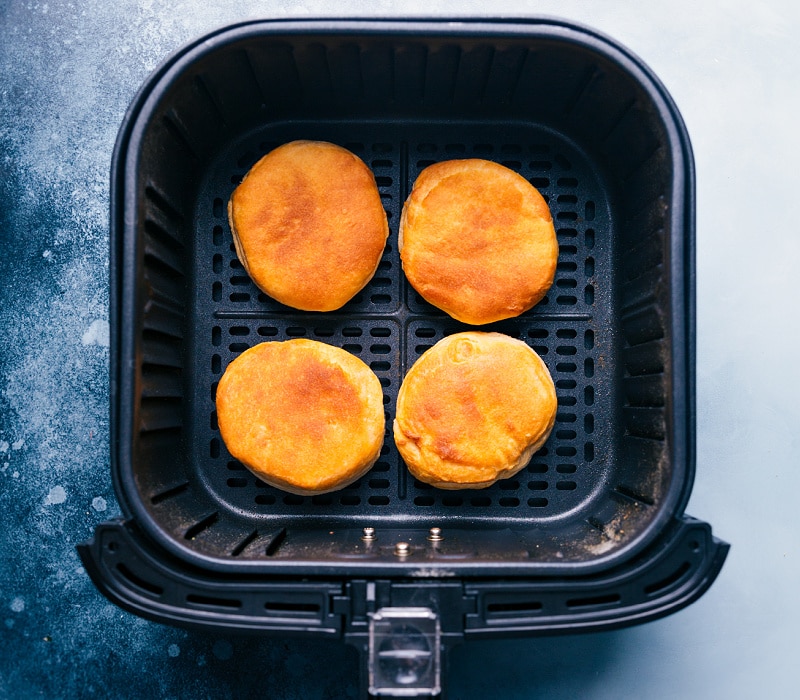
(591, 534)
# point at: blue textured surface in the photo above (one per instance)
(68, 72)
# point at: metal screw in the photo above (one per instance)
(435, 534)
(402, 549)
(368, 534)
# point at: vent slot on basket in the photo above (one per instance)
(595, 601)
(200, 526)
(668, 581)
(138, 582)
(171, 492)
(282, 608)
(275, 541)
(244, 544)
(517, 608)
(206, 601)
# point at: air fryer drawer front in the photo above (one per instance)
(132, 572)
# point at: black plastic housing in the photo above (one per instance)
(594, 130)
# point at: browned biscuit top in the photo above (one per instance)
(473, 409)
(308, 225)
(304, 416)
(477, 240)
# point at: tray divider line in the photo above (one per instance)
(257, 314)
(405, 189)
(402, 317)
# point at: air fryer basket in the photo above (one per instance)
(596, 519)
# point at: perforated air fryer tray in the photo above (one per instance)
(574, 113)
(388, 326)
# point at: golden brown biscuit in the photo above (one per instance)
(477, 240)
(308, 225)
(473, 409)
(303, 416)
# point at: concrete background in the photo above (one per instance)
(68, 72)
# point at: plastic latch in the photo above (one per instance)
(404, 652)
